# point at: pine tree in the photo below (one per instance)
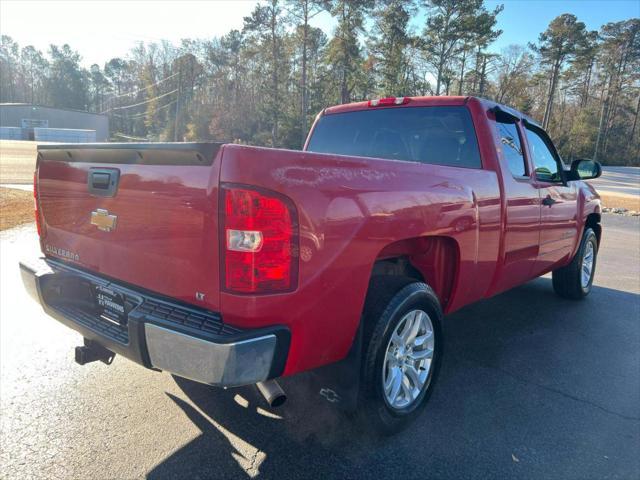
(266, 25)
(302, 12)
(67, 83)
(98, 85)
(620, 56)
(343, 52)
(556, 46)
(478, 32)
(34, 67)
(448, 27)
(388, 46)
(9, 61)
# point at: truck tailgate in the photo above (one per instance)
(144, 214)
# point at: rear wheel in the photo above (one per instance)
(575, 280)
(402, 352)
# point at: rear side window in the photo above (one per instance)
(435, 135)
(512, 148)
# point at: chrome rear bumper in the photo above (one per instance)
(226, 364)
(215, 353)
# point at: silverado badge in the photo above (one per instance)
(103, 220)
(61, 252)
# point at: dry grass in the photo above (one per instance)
(17, 161)
(630, 202)
(16, 208)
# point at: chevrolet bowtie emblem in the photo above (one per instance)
(103, 220)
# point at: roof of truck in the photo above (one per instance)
(413, 102)
(429, 101)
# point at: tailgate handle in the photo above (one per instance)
(103, 182)
(100, 180)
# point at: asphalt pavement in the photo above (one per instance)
(532, 386)
(623, 181)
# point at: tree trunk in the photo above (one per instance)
(563, 107)
(622, 67)
(483, 75)
(274, 66)
(464, 58)
(176, 124)
(303, 112)
(552, 90)
(10, 77)
(585, 93)
(632, 139)
(613, 104)
(601, 123)
(344, 87)
(474, 88)
(32, 87)
(635, 121)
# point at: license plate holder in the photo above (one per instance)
(110, 305)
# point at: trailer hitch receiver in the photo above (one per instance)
(92, 352)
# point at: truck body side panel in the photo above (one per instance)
(350, 209)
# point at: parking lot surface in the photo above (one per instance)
(532, 386)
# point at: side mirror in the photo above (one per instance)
(584, 169)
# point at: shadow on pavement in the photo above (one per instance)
(531, 386)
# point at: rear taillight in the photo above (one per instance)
(36, 210)
(260, 241)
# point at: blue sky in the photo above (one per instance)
(101, 29)
(523, 20)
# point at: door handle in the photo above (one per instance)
(548, 201)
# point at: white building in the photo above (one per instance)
(22, 121)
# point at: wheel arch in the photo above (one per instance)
(593, 221)
(433, 260)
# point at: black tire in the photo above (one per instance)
(567, 281)
(388, 300)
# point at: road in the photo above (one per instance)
(623, 181)
(532, 386)
(17, 161)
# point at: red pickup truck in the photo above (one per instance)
(234, 265)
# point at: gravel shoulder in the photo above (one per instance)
(16, 207)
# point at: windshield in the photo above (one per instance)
(435, 135)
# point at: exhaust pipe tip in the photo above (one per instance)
(272, 393)
(278, 401)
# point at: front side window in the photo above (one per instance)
(544, 160)
(512, 148)
(437, 135)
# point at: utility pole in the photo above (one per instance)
(175, 124)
